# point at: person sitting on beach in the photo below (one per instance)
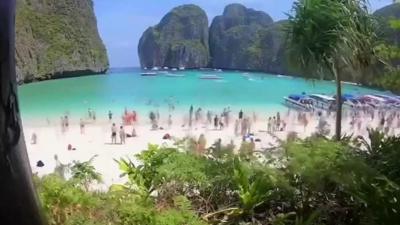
(113, 134)
(70, 148)
(283, 128)
(122, 134)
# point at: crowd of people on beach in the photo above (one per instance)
(355, 121)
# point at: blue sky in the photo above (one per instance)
(122, 22)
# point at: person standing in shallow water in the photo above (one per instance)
(113, 134)
(190, 115)
(240, 115)
(110, 115)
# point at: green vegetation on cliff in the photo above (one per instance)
(242, 28)
(179, 40)
(57, 38)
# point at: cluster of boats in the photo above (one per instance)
(310, 102)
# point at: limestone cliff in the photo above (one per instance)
(57, 38)
(179, 40)
(235, 38)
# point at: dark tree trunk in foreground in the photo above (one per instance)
(338, 128)
(18, 200)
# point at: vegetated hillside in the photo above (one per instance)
(57, 38)
(179, 40)
(236, 38)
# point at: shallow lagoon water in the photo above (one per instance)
(119, 89)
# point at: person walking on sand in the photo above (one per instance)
(110, 115)
(201, 145)
(34, 139)
(221, 123)
(244, 128)
(209, 117)
(169, 121)
(269, 125)
(66, 123)
(240, 115)
(190, 116)
(278, 120)
(122, 134)
(82, 126)
(113, 134)
(273, 124)
(216, 122)
(62, 124)
(236, 127)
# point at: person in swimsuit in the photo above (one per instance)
(113, 134)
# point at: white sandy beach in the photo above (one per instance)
(96, 141)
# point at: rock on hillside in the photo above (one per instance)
(179, 40)
(235, 38)
(57, 38)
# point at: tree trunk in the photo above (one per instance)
(18, 200)
(338, 129)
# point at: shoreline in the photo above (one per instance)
(97, 138)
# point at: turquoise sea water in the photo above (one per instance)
(120, 89)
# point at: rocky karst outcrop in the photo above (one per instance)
(235, 38)
(179, 40)
(57, 38)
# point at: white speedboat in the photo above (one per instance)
(182, 68)
(174, 75)
(301, 102)
(155, 68)
(148, 74)
(324, 102)
(210, 77)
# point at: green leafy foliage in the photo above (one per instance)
(84, 173)
(312, 181)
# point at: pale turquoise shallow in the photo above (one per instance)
(126, 88)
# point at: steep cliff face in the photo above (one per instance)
(179, 40)
(235, 38)
(57, 38)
